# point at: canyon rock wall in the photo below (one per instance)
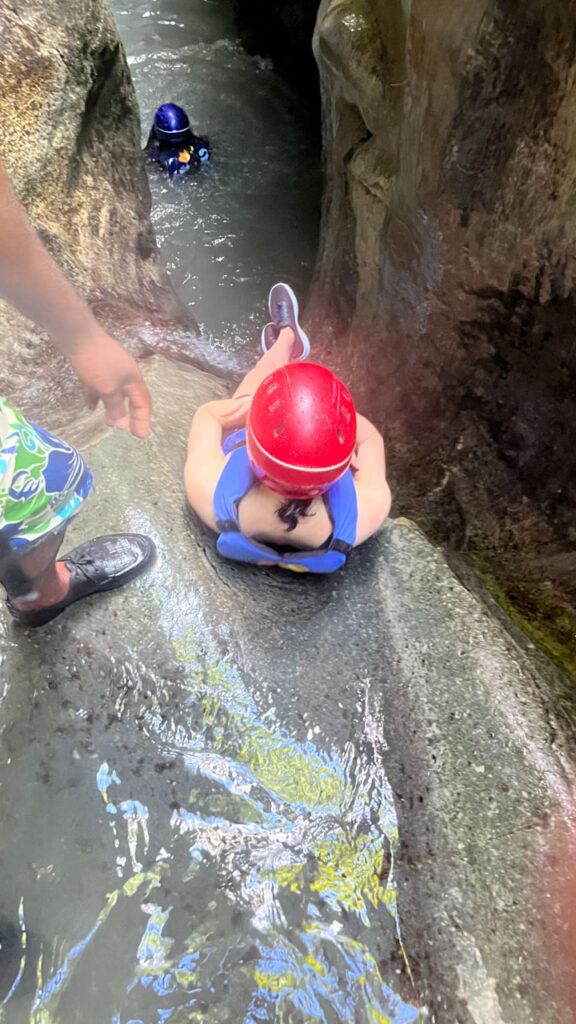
(446, 277)
(70, 142)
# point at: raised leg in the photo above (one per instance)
(276, 356)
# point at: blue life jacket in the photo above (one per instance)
(236, 479)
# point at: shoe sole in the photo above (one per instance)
(31, 620)
(266, 348)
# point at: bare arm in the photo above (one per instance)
(205, 461)
(372, 490)
(31, 281)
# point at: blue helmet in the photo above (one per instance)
(171, 123)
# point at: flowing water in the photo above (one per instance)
(250, 218)
(187, 834)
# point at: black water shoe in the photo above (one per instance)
(104, 563)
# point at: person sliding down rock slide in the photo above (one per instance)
(44, 481)
(286, 472)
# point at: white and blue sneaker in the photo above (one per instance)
(283, 306)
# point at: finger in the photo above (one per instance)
(115, 410)
(234, 419)
(231, 414)
(241, 407)
(140, 405)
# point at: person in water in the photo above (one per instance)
(286, 472)
(172, 143)
(43, 480)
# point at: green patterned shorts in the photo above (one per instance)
(43, 481)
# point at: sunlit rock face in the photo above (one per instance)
(447, 271)
(71, 144)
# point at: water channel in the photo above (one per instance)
(188, 835)
(251, 217)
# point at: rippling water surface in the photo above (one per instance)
(251, 217)
(176, 854)
(255, 892)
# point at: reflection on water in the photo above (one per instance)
(269, 893)
(251, 216)
(178, 853)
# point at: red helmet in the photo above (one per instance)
(301, 430)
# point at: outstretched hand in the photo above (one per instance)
(111, 375)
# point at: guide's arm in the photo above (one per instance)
(31, 281)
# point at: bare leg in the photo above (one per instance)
(276, 356)
(48, 578)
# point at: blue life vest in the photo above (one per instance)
(236, 479)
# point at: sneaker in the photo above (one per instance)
(102, 564)
(269, 336)
(283, 306)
